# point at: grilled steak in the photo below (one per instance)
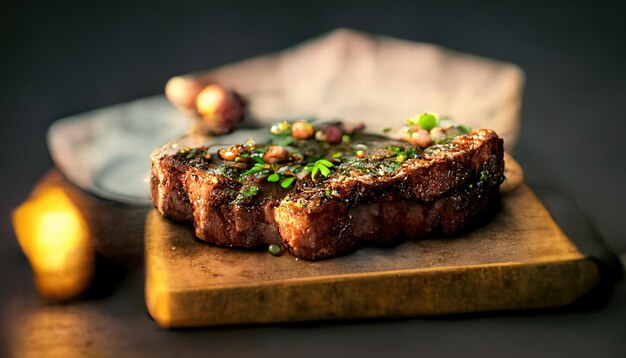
(320, 199)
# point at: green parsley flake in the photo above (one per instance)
(273, 178)
(248, 192)
(286, 182)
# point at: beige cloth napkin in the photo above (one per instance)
(379, 80)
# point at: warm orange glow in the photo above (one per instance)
(55, 239)
(209, 100)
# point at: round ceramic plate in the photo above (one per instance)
(107, 151)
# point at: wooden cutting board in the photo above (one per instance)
(519, 260)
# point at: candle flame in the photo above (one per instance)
(55, 239)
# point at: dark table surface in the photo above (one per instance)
(66, 59)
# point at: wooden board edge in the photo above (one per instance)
(399, 294)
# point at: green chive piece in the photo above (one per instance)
(250, 171)
(273, 178)
(427, 121)
(386, 130)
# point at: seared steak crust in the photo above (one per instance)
(445, 189)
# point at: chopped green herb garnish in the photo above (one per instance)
(249, 191)
(386, 130)
(258, 159)
(336, 155)
(465, 129)
(345, 138)
(241, 156)
(273, 178)
(393, 166)
(190, 153)
(324, 162)
(286, 182)
(257, 168)
(394, 149)
(402, 154)
(321, 166)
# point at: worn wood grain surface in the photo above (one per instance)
(519, 260)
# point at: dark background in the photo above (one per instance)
(61, 59)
